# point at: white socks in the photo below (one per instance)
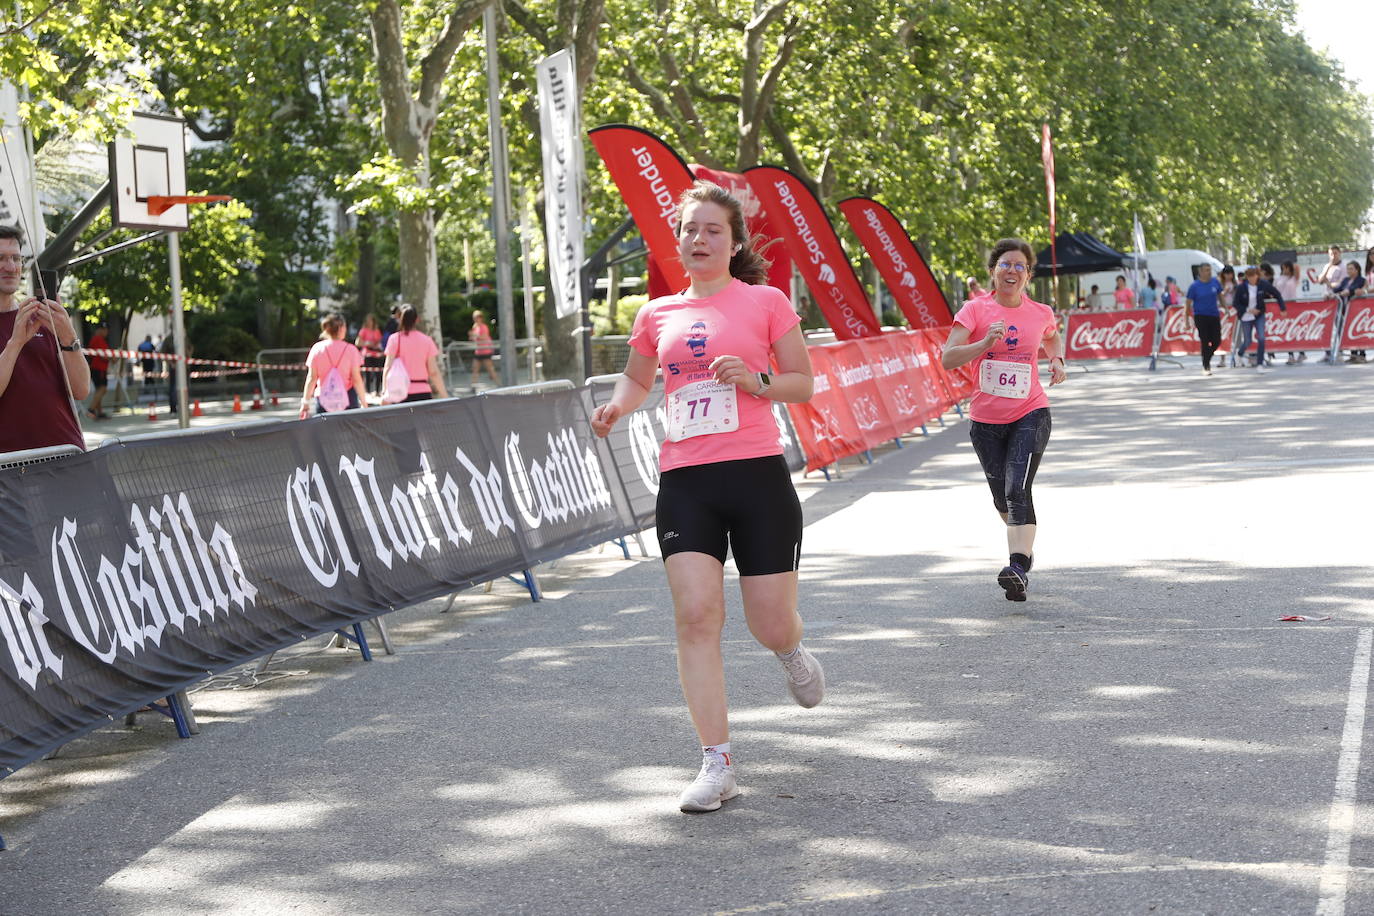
(720, 752)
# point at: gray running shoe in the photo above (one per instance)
(805, 679)
(713, 785)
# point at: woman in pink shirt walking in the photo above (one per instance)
(1010, 411)
(333, 374)
(725, 487)
(419, 355)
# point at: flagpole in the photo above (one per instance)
(1047, 159)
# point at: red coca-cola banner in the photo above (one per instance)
(1305, 326)
(812, 242)
(651, 178)
(824, 424)
(855, 365)
(1359, 326)
(900, 263)
(1180, 335)
(1110, 335)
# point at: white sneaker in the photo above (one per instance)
(805, 679)
(1261, 369)
(713, 785)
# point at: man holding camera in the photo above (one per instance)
(41, 366)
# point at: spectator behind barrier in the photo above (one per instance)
(41, 366)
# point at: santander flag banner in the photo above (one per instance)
(757, 223)
(1110, 335)
(1180, 336)
(812, 242)
(651, 178)
(1305, 326)
(899, 262)
(1359, 325)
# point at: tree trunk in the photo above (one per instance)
(367, 268)
(420, 268)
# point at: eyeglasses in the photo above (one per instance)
(16, 259)
(1007, 265)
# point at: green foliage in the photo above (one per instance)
(137, 280)
(1211, 119)
(626, 310)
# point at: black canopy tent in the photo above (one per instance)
(1081, 253)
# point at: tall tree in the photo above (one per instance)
(410, 110)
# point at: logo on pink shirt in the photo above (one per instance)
(697, 338)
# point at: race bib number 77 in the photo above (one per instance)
(705, 408)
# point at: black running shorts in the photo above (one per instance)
(746, 507)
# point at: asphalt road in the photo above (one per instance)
(1142, 736)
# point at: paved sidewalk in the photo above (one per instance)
(1143, 735)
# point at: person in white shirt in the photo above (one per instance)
(1287, 285)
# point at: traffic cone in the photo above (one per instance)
(152, 411)
(238, 407)
(195, 408)
(275, 402)
(257, 399)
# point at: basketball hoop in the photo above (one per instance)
(159, 204)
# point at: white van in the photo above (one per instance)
(1179, 263)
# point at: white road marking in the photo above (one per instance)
(1340, 824)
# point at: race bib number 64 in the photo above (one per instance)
(1005, 379)
(702, 409)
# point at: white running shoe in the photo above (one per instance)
(713, 785)
(805, 679)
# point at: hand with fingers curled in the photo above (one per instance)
(27, 323)
(995, 333)
(731, 370)
(604, 417)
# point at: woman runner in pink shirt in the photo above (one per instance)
(725, 486)
(1010, 411)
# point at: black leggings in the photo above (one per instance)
(1209, 335)
(1010, 455)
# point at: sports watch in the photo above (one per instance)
(765, 382)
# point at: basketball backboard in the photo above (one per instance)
(150, 163)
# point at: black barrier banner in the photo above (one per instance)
(634, 444)
(135, 570)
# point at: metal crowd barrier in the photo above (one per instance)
(37, 455)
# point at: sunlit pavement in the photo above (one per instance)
(1142, 735)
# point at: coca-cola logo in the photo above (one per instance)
(1126, 333)
(1361, 326)
(1310, 326)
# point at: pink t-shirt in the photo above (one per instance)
(481, 335)
(685, 335)
(1027, 325)
(1125, 298)
(330, 354)
(414, 349)
(370, 339)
